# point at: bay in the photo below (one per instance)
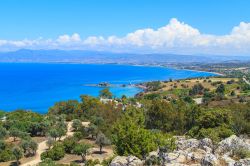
(37, 86)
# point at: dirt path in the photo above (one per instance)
(42, 147)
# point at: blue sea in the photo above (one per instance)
(37, 87)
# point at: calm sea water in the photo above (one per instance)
(39, 86)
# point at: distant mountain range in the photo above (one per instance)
(77, 56)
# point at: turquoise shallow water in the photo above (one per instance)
(39, 86)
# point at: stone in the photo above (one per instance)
(126, 161)
(228, 160)
(153, 153)
(206, 144)
(242, 162)
(231, 143)
(209, 160)
(175, 164)
(176, 158)
(196, 156)
(183, 144)
(119, 161)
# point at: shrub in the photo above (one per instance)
(69, 144)
(130, 138)
(47, 162)
(92, 162)
(220, 89)
(232, 93)
(108, 161)
(212, 123)
(78, 135)
(240, 153)
(3, 132)
(6, 155)
(197, 89)
(3, 145)
(152, 160)
(56, 153)
(215, 134)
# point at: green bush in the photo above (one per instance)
(215, 134)
(69, 144)
(56, 153)
(152, 160)
(78, 135)
(3, 132)
(6, 155)
(47, 162)
(107, 162)
(92, 162)
(215, 124)
(240, 153)
(131, 138)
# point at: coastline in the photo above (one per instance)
(122, 64)
(60, 92)
(216, 73)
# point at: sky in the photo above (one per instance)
(216, 27)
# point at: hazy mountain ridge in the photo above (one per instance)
(78, 56)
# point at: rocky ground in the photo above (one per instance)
(195, 153)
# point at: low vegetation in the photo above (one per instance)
(130, 126)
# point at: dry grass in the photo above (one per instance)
(189, 83)
(69, 158)
(39, 139)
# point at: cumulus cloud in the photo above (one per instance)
(66, 38)
(175, 37)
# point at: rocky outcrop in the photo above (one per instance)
(126, 161)
(193, 152)
(227, 160)
(209, 160)
(206, 144)
(184, 144)
(231, 143)
(242, 162)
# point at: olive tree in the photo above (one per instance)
(29, 147)
(81, 150)
(77, 124)
(50, 142)
(18, 153)
(102, 140)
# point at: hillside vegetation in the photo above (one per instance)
(94, 132)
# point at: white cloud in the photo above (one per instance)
(66, 38)
(175, 37)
